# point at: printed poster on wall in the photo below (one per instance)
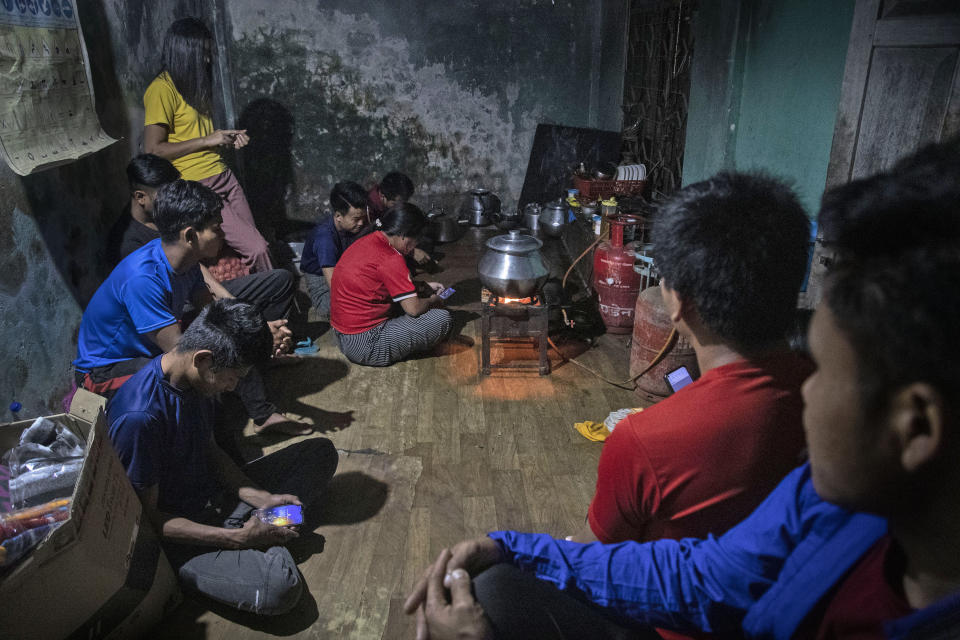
(47, 114)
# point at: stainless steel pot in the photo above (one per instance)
(478, 206)
(531, 216)
(512, 265)
(553, 218)
(507, 221)
(444, 227)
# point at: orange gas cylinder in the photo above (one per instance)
(614, 279)
(651, 328)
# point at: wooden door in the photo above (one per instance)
(901, 90)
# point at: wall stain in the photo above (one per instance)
(344, 127)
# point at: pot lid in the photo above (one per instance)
(514, 242)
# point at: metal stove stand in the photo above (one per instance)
(513, 323)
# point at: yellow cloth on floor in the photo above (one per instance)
(595, 431)
(599, 431)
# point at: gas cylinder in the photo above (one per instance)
(651, 328)
(614, 279)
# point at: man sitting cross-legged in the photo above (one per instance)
(858, 543)
(136, 313)
(731, 252)
(271, 292)
(161, 422)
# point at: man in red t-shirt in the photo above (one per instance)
(731, 252)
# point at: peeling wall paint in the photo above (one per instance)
(449, 93)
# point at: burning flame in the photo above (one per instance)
(526, 300)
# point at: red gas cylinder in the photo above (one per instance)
(614, 279)
(651, 328)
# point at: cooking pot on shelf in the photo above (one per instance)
(478, 206)
(553, 218)
(444, 227)
(513, 266)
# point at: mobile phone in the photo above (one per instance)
(446, 293)
(285, 515)
(678, 379)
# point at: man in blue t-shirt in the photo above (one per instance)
(861, 542)
(329, 239)
(136, 313)
(161, 425)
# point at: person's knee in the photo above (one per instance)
(282, 584)
(322, 454)
(283, 281)
(444, 320)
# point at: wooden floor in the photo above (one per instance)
(430, 452)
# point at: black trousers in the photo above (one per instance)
(271, 292)
(520, 606)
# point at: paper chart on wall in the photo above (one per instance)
(47, 114)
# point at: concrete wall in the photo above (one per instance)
(448, 92)
(765, 85)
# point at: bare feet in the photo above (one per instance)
(280, 423)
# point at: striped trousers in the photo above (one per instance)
(396, 338)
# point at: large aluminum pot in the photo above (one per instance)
(513, 266)
(478, 206)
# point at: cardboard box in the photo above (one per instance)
(102, 574)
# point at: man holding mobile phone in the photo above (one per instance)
(731, 252)
(199, 500)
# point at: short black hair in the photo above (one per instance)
(184, 203)
(912, 204)
(396, 185)
(736, 246)
(347, 194)
(233, 331)
(403, 219)
(148, 170)
(901, 317)
(894, 288)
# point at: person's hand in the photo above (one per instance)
(459, 618)
(420, 256)
(282, 336)
(222, 138)
(241, 140)
(473, 555)
(257, 534)
(280, 499)
(436, 286)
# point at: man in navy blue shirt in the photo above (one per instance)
(858, 543)
(329, 239)
(136, 313)
(161, 424)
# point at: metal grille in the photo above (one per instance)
(657, 89)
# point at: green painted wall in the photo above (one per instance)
(765, 87)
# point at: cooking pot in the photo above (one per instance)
(507, 221)
(478, 206)
(531, 216)
(444, 227)
(553, 218)
(512, 265)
